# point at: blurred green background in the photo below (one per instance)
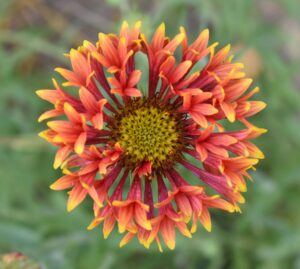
(265, 35)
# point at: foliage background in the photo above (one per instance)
(33, 36)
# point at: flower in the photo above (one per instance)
(127, 147)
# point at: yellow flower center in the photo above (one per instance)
(148, 132)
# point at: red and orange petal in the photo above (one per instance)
(98, 165)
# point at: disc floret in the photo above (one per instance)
(148, 131)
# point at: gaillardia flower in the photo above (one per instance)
(127, 146)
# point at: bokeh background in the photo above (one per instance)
(265, 35)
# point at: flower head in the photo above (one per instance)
(125, 147)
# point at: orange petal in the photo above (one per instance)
(205, 219)
(174, 43)
(107, 47)
(120, 203)
(158, 38)
(126, 239)
(61, 155)
(166, 201)
(76, 196)
(184, 204)
(141, 217)
(60, 126)
(199, 119)
(180, 71)
(183, 229)
(167, 66)
(185, 40)
(205, 109)
(250, 108)
(134, 78)
(124, 29)
(167, 230)
(228, 111)
(108, 226)
(125, 215)
(187, 101)
(222, 139)
(94, 223)
(88, 100)
(101, 59)
(133, 92)
(217, 150)
(201, 42)
(71, 77)
(49, 95)
(97, 121)
(202, 152)
(219, 203)
(253, 150)
(79, 63)
(122, 48)
(94, 195)
(63, 183)
(80, 143)
(49, 114)
(219, 93)
(71, 113)
(237, 89)
(195, 190)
